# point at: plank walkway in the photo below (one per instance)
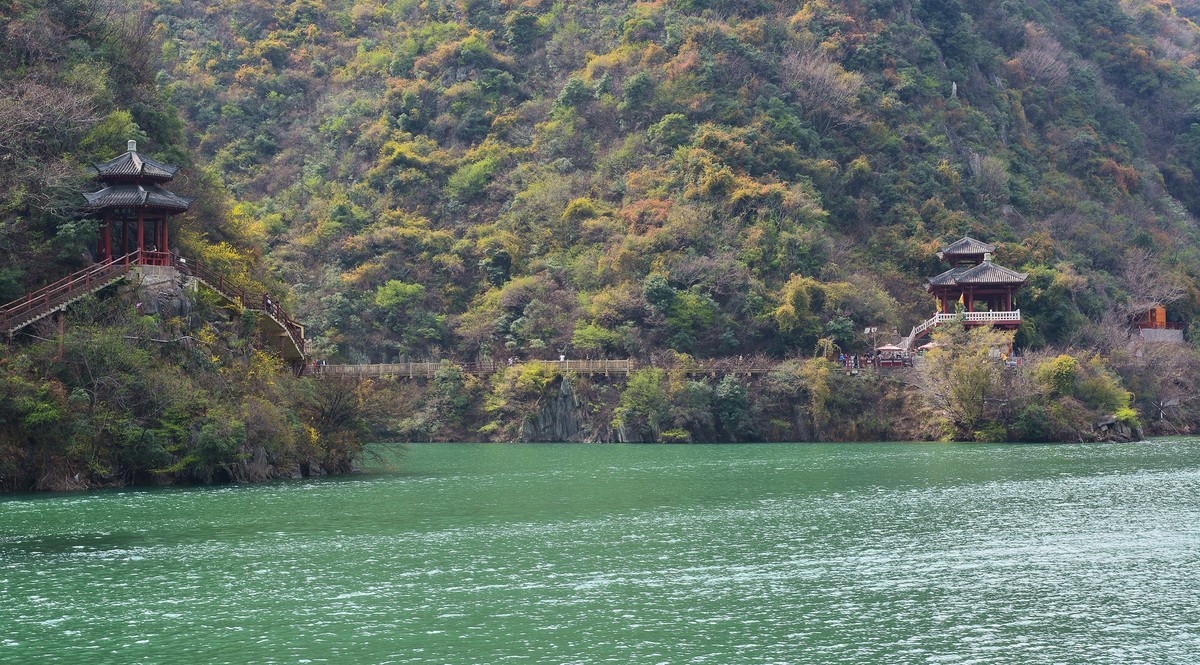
(602, 367)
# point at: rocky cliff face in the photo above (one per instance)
(561, 418)
(161, 290)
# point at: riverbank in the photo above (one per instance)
(125, 398)
(957, 392)
(132, 399)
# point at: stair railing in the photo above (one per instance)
(36, 304)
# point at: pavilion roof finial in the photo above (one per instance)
(967, 246)
(132, 166)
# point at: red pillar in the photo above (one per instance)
(164, 246)
(141, 232)
(970, 299)
(106, 236)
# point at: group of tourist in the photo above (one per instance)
(875, 359)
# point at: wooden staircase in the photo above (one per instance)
(56, 297)
(276, 321)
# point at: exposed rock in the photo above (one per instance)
(626, 434)
(1111, 429)
(560, 419)
(160, 290)
(257, 468)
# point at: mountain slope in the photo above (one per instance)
(500, 179)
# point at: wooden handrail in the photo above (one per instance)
(250, 300)
(46, 299)
(428, 369)
(41, 301)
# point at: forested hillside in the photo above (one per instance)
(486, 178)
(122, 394)
(660, 180)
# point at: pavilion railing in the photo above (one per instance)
(938, 319)
(983, 317)
(149, 258)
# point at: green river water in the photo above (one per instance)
(859, 553)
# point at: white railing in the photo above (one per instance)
(925, 325)
(1013, 316)
(916, 332)
(984, 317)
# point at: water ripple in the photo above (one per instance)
(630, 554)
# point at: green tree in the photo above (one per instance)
(396, 294)
(644, 407)
(963, 379)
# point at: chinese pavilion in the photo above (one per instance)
(134, 208)
(973, 289)
(976, 284)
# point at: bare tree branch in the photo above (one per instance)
(1148, 283)
(1043, 59)
(825, 90)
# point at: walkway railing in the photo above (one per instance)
(602, 366)
(428, 369)
(252, 300)
(54, 297)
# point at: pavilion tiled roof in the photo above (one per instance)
(133, 165)
(948, 278)
(967, 246)
(984, 273)
(137, 196)
(990, 273)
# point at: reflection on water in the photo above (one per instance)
(908, 553)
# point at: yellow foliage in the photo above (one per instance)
(365, 276)
(206, 335)
(245, 225)
(795, 302)
(620, 59)
(860, 167)
(654, 55)
(581, 208)
(949, 173)
(535, 376)
(414, 152)
(263, 368)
